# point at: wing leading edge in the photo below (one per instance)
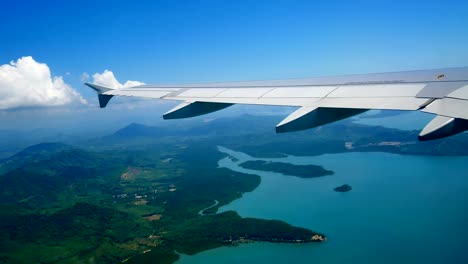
(323, 100)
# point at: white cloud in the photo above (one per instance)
(84, 77)
(107, 79)
(28, 83)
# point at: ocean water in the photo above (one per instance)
(402, 209)
(410, 120)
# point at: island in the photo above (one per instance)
(343, 188)
(301, 171)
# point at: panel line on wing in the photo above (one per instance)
(263, 95)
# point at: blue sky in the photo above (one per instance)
(194, 41)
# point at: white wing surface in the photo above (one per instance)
(323, 100)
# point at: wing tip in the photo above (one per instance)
(103, 98)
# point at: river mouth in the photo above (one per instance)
(397, 212)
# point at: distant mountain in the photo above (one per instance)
(256, 134)
(41, 149)
(135, 130)
(32, 153)
(239, 125)
(11, 141)
(40, 172)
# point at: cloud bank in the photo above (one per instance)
(107, 79)
(28, 83)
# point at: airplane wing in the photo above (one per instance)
(323, 100)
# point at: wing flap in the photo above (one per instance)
(449, 107)
(461, 93)
(378, 90)
(439, 89)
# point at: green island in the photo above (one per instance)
(301, 171)
(135, 196)
(343, 188)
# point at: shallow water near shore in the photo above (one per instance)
(402, 209)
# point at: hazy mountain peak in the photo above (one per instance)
(41, 148)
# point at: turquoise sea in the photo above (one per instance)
(410, 120)
(402, 209)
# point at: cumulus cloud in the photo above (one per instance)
(84, 77)
(28, 83)
(107, 79)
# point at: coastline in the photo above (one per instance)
(356, 237)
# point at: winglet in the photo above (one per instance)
(103, 98)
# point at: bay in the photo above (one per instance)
(402, 209)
